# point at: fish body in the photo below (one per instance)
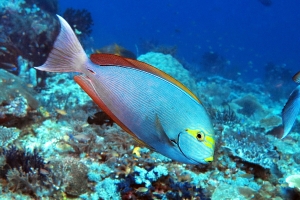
(148, 104)
(290, 111)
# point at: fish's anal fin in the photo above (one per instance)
(162, 135)
(88, 87)
(112, 60)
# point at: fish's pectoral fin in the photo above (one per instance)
(88, 87)
(162, 135)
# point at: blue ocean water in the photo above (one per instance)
(241, 31)
(238, 57)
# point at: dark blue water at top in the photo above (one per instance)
(240, 31)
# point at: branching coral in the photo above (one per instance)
(8, 135)
(28, 173)
(22, 160)
(224, 117)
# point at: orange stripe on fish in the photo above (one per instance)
(111, 59)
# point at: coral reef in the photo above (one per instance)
(251, 147)
(8, 135)
(249, 106)
(32, 43)
(17, 101)
(74, 151)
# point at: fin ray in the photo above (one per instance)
(290, 111)
(87, 86)
(111, 59)
(67, 54)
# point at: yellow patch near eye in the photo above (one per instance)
(210, 140)
(192, 132)
(196, 134)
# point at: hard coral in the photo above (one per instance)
(32, 43)
(8, 135)
(75, 173)
(16, 100)
(251, 147)
(249, 106)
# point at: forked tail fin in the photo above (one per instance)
(67, 54)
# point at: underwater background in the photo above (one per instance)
(238, 57)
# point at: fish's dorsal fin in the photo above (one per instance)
(112, 60)
(88, 87)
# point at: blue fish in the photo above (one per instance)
(157, 110)
(291, 108)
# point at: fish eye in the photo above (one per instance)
(200, 136)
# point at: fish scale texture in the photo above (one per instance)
(171, 66)
(125, 90)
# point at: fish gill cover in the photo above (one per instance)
(50, 131)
